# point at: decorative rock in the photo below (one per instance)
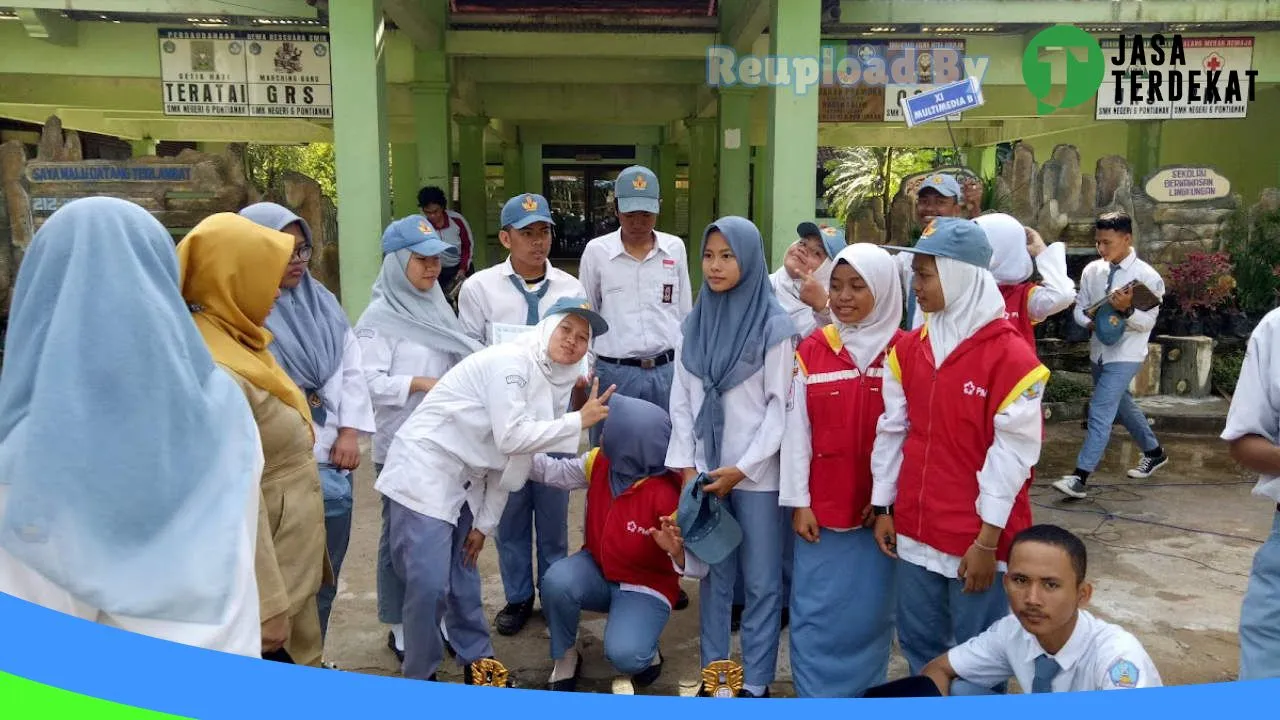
(1020, 175)
(1050, 222)
(1190, 215)
(1088, 198)
(71, 150)
(1113, 180)
(1268, 201)
(1187, 365)
(1147, 381)
(51, 147)
(1068, 187)
(901, 218)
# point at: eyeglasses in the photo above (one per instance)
(301, 254)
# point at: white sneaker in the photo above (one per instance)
(622, 685)
(1071, 486)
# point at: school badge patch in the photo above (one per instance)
(722, 679)
(529, 203)
(517, 380)
(491, 673)
(1123, 674)
(928, 229)
(639, 183)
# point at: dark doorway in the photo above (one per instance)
(581, 198)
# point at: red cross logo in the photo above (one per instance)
(1213, 63)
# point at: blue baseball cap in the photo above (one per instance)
(708, 528)
(636, 190)
(946, 185)
(832, 240)
(415, 234)
(1108, 325)
(954, 238)
(524, 210)
(581, 307)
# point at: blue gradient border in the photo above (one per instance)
(110, 664)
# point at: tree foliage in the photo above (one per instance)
(858, 176)
(267, 163)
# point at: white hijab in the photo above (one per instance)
(972, 301)
(1010, 262)
(867, 339)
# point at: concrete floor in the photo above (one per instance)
(1178, 590)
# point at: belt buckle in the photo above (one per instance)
(648, 363)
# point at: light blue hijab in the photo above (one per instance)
(400, 310)
(309, 325)
(634, 438)
(727, 334)
(129, 457)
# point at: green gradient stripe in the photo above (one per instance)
(22, 699)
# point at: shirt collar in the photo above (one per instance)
(1129, 259)
(506, 269)
(614, 240)
(1071, 652)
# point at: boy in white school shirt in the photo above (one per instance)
(518, 292)
(1049, 642)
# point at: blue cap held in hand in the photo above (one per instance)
(708, 528)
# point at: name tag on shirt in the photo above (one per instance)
(504, 332)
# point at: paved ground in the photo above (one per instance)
(1179, 590)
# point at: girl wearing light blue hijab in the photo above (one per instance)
(129, 462)
(728, 406)
(314, 344)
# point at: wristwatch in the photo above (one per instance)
(879, 510)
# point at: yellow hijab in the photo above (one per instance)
(230, 270)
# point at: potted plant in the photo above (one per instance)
(1202, 286)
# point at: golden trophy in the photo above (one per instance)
(722, 679)
(490, 673)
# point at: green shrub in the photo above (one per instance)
(1063, 389)
(1253, 244)
(1226, 371)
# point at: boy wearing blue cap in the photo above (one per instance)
(955, 446)
(493, 304)
(639, 279)
(1117, 349)
(939, 196)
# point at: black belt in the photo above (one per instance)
(646, 363)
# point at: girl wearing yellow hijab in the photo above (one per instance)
(231, 269)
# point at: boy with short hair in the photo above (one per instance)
(1117, 351)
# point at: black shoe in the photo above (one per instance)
(1148, 465)
(568, 684)
(513, 617)
(745, 693)
(391, 644)
(683, 601)
(735, 620)
(649, 675)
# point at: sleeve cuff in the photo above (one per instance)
(794, 501)
(994, 511)
(883, 495)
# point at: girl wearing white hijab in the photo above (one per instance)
(1017, 251)
(839, 647)
(409, 337)
(463, 449)
(129, 461)
(955, 446)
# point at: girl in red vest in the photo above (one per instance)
(842, 588)
(955, 446)
(631, 561)
(1017, 251)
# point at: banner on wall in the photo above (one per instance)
(245, 74)
(1163, 87)
(870, 102)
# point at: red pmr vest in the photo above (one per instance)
(844, 405)
(617, 529)
(951, 416)
(1018, 311)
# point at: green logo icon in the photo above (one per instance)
(1083, 78)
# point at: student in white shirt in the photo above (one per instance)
(639, 279)
(727, 413)
(1115, 365)
(801, 283)
(409, 338)
(939, 196)
(1050, 643)
(451, 465)
(129, 461)
(1253, 431)
(517, 292)
(455, 231)
(314, 344)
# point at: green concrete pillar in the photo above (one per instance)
(1144, 149)
(532, 153)
(512, 169)
(212, 148)
(759, 185)
(471, 190)
(702, 189)
(360, 146)
(431, 133)
(404, 178)
(734, 146)
(794, 31)
(143, 147)
(668, 166)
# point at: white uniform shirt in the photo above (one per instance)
(452, 234)
(488, 297)
(455, 449)
(644, 302)
(754, 413)
(1255, 406)
(1132, 346)
(805, 319)
(345, 397)
(1098, 656)
(390, 365)
(1056, 291)
(1012, 454)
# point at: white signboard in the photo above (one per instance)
(504, 332)
(1229, 56)
(1187, 184)
(246, 74)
